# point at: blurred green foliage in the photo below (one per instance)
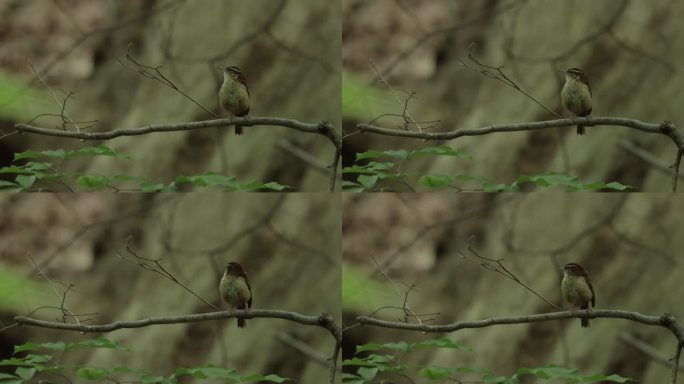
(374, 367)
(36, 362)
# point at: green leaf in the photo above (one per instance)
(439, 151)
(209, 371)
(93, 181)
(209, 179)
(148, 186)
(38, 360)
(16, 169)
(400, 154)
(368, 373)
(25, 181)
(350, 186)
(357, 361)
(26, 374)
(369, 361)
(149, 378)
(435, 181)
(30, 346)
(400, 346)
(572, 183)
(99, 150)
(571, 375)
(368, 181)
(550, 371)
(38, 166)
(491, 379)
(435, 373)
(442, 343)
(8, 186)
(100, 342)
(93, 373)
(261, 378)
(614, 185)
(371, 168)
(493, 187)
(15, 362)
(352, 169)
(348, 378)
(31, 154)
(257, 185)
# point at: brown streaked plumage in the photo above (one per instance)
(576, 95)
(234, 95)
(577, 290)
(235, 290)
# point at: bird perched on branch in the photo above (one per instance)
(234, 289)
(577, 290)
(576, 95)
(234, 94)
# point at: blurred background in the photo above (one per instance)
(289, 245)
(625, 47)
(630, 245)
(288, 51)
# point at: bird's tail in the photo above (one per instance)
(580, 130)
(242, 323)
(584, 321)
(238, 130)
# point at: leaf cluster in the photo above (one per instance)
(31, 167)
(375, 367)
(374, 170)
(38, 361)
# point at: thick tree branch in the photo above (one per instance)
(326, 129)
(323, 321)
(665, 128)
(666, 321)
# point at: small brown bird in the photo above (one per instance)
(576, 95)
(234, 289)
(577, 290)
(234, 94)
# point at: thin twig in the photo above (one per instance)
(645, 348)
(66, 312)
(675, 361)
(408, 119)
(302, 155)
(302, 347)
(155, 73)
(64, 114)
(155, 266)
(408, 312)
(498, 74)
(496, 265)
(675, 169)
